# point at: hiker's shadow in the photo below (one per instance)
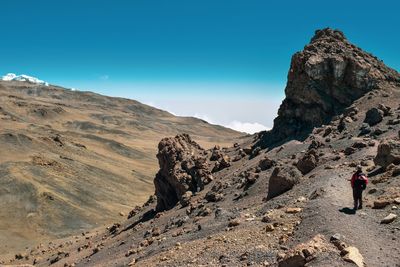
(348, 211)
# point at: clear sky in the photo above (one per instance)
(222, 60)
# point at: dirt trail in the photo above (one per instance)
(377, 243)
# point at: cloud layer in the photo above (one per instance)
(247, 127)
(244, 115)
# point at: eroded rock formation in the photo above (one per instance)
(324, 79)
(388, 153)
(183, 167)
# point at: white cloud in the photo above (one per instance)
(104, 77)
(230, 118)
(247, 127)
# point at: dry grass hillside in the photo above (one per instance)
(73, 160)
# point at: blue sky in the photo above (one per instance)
(222, 60)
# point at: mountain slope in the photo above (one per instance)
(285, 203)
(73, 160)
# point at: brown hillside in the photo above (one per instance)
(73, 160)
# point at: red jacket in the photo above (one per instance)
(360, 176)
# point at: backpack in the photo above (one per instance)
(360, 181)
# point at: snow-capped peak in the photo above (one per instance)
(23, 78)
(8, 77)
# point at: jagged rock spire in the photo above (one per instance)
(325, 78)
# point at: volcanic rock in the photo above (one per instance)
(324, 79)
(388, 153)
(349, 151)
(373, 116)
(234, 222)
(182, 168)
(213, 196)
(308, 162)
(266, 164)
(185, 199)
(365, 129)
(380, 203)
(352, 254)
(282, 180)
(389, 219)
(385, 109)
(304, 252)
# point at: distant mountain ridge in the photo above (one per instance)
(23, 78)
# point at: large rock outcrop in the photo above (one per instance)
(324, 79)
(388, 153)
(183, 168)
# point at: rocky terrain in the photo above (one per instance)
(278, 198)
(71, 160)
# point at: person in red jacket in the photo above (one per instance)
(359, 182)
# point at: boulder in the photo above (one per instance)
(373, 116)
(234, 222)
(349, 150)
(360, 144)
(185, 198)
(293, 210)
(304, 253)
(225, 161)
(248, 150)
(269, 227)
(327, 131)
(282, 179)
(216, 154)
(365, 129)
(378, 132)
(315, 144)
(388, 153)
(307, 163)
(385, 109)
(222, 163)
(183, 168)
(351, 254)
(380, 203)
(266, 163)
(255, 152)
(213, 196)
(389, 219)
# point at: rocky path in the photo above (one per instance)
(331, 213)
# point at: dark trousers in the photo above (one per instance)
(357, 196)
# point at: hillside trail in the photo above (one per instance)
(379, 244)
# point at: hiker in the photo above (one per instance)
(359, 182)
